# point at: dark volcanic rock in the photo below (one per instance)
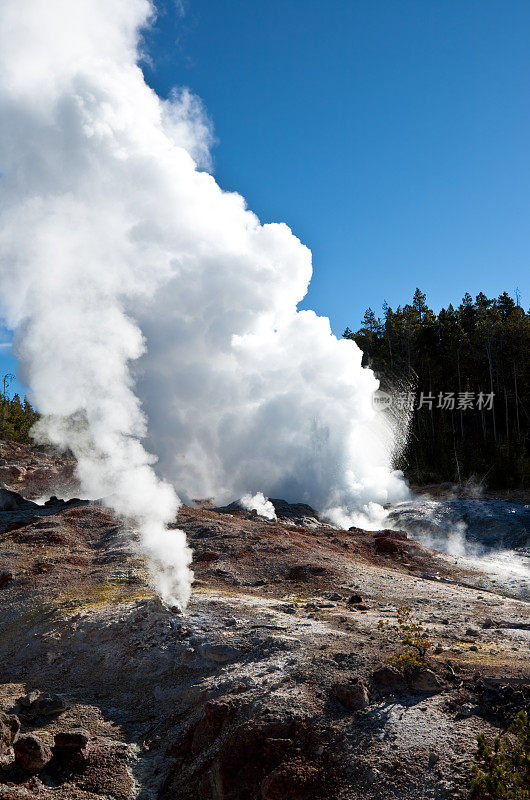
(353, 696)
(28, 699)
(105, 771)
(6, 576)
(261, 759)
(305, 572)
(297, 512)
(9, 731)
(215, 715)
(72, 741)
(49, 705)
(354, 599)
(388, 680)
(31, 754)
(294, 780)
(46, 705)
(11, 501)
(391, 542)
(70, 751)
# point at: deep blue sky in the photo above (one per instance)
(391, 135)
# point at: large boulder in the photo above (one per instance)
(72, 741)
(70, 749)
(388, 680)
(31, 753)
(353, 696)
(425, 682)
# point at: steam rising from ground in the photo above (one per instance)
(259, 503)
(484, 534)
(154, 313)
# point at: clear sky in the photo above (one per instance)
(391, 135)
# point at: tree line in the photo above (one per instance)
(16, 415)
(464, 374)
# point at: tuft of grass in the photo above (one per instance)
(103, 595)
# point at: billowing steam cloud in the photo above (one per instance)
(154, 314)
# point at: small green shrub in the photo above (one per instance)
(502, 771)
(414, 646)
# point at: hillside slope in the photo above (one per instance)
(273, 684)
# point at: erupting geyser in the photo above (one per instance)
(154, 314)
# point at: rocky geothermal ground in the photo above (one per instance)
(275, 684)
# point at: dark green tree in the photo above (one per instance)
(16, 417)
(481, 347)
(502, 770)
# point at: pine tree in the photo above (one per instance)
(483, 346)
(16, 418)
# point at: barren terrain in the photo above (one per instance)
(274, 684)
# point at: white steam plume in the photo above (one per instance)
(154, 314)
(258, 503)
